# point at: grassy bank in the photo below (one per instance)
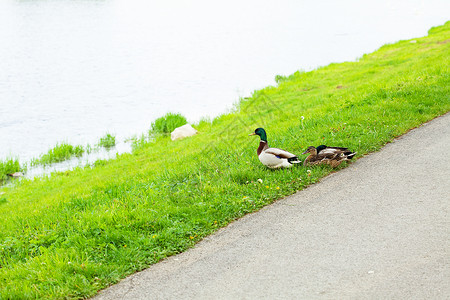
(80, 231)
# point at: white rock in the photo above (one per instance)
(182, 132)
(16, 174)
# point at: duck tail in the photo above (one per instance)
(350, 155)
(294, 160)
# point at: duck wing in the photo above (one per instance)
(336, 152)
(333, 150)
(280, 153)
(328, 155)
(277, 158)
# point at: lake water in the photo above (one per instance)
(73, 70)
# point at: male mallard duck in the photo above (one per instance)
(332, 156)
(273, 158)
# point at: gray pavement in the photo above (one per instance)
(375, 230)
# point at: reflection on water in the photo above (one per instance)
(74, 70)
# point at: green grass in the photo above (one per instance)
(61, 152)
(165, 125)
(74, 233)
(8, 166)
(107, 141)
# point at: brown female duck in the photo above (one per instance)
(332, 156)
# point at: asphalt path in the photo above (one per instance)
(379, 229)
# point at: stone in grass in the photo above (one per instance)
(182, 132)
(16, 174)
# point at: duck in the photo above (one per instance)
(273, 158)
(332, 156)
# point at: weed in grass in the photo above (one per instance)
(59, 153)
(74, 233)
(100, 162)
(165, 125)
(107, 141)
(139, 143)
(8, 166)
(88, 149)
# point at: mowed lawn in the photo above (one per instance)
(73, 233)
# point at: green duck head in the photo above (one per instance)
(261, 132)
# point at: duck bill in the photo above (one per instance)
(252, 134)
(305, 152)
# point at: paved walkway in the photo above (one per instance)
(375, 230)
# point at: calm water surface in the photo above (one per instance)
(74, 70)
